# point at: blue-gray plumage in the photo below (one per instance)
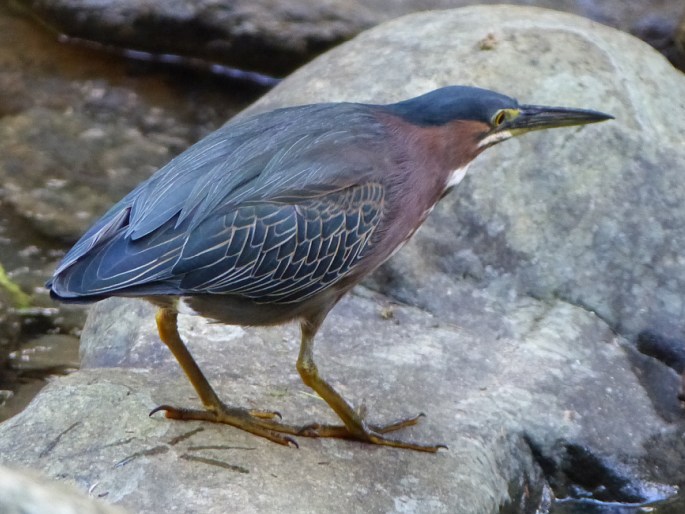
(276, 216)
(255, 198)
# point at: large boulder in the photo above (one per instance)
(555, 398)
(589, 216)
(508, 319)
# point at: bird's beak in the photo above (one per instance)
(537, 117)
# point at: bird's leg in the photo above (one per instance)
(257, 422)
(264, 423)
(355, 426)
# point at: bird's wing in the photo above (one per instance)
(297, 148)
(282, 252)
(293, 151)
(269, 251)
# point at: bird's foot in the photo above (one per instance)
(372, 434)
(258, 422)
(267, 424)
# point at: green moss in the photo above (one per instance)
(20, 300)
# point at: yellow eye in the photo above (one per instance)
(499, 118)
(504, 115)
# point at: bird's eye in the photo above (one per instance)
(499, 118)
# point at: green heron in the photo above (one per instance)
(275, 217)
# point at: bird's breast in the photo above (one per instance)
(455, 177)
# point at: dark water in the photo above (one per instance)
(675, 505)
(39, 70)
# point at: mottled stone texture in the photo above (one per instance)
(269, 36)
(277, 36)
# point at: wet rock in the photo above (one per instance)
(47, 352)
(272, 37)
(489, 398)
(278, 37)
(78, 129)
(10, 327)
(495, 337)
(51, 161)
(29, 366)
(10, 323)
(680, 43)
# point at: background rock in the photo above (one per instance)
(276, 37)
(270, 36)
(78, 128)
(498, 345)
(590, 216)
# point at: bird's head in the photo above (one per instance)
(489, 116)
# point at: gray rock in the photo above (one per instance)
(53, 187)
(28, 493)
(488, 398)
(591, 216)
(496, 342)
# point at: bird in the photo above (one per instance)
(274, 217)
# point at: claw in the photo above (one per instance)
(291, 442)
(159, 408)
(373, 434)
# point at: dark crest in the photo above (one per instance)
(452, 103)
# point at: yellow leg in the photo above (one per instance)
(263, 423)
(354, 425)
(257, 422)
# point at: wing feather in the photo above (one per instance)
(311, 257)
(267, 197)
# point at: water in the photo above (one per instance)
(40, 73)
(675, 505)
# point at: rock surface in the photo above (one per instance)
(590, 216)
(78, 129)
(28, 493)
(496, 339)
(276, 37)
(489, 397)
(269, 36)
